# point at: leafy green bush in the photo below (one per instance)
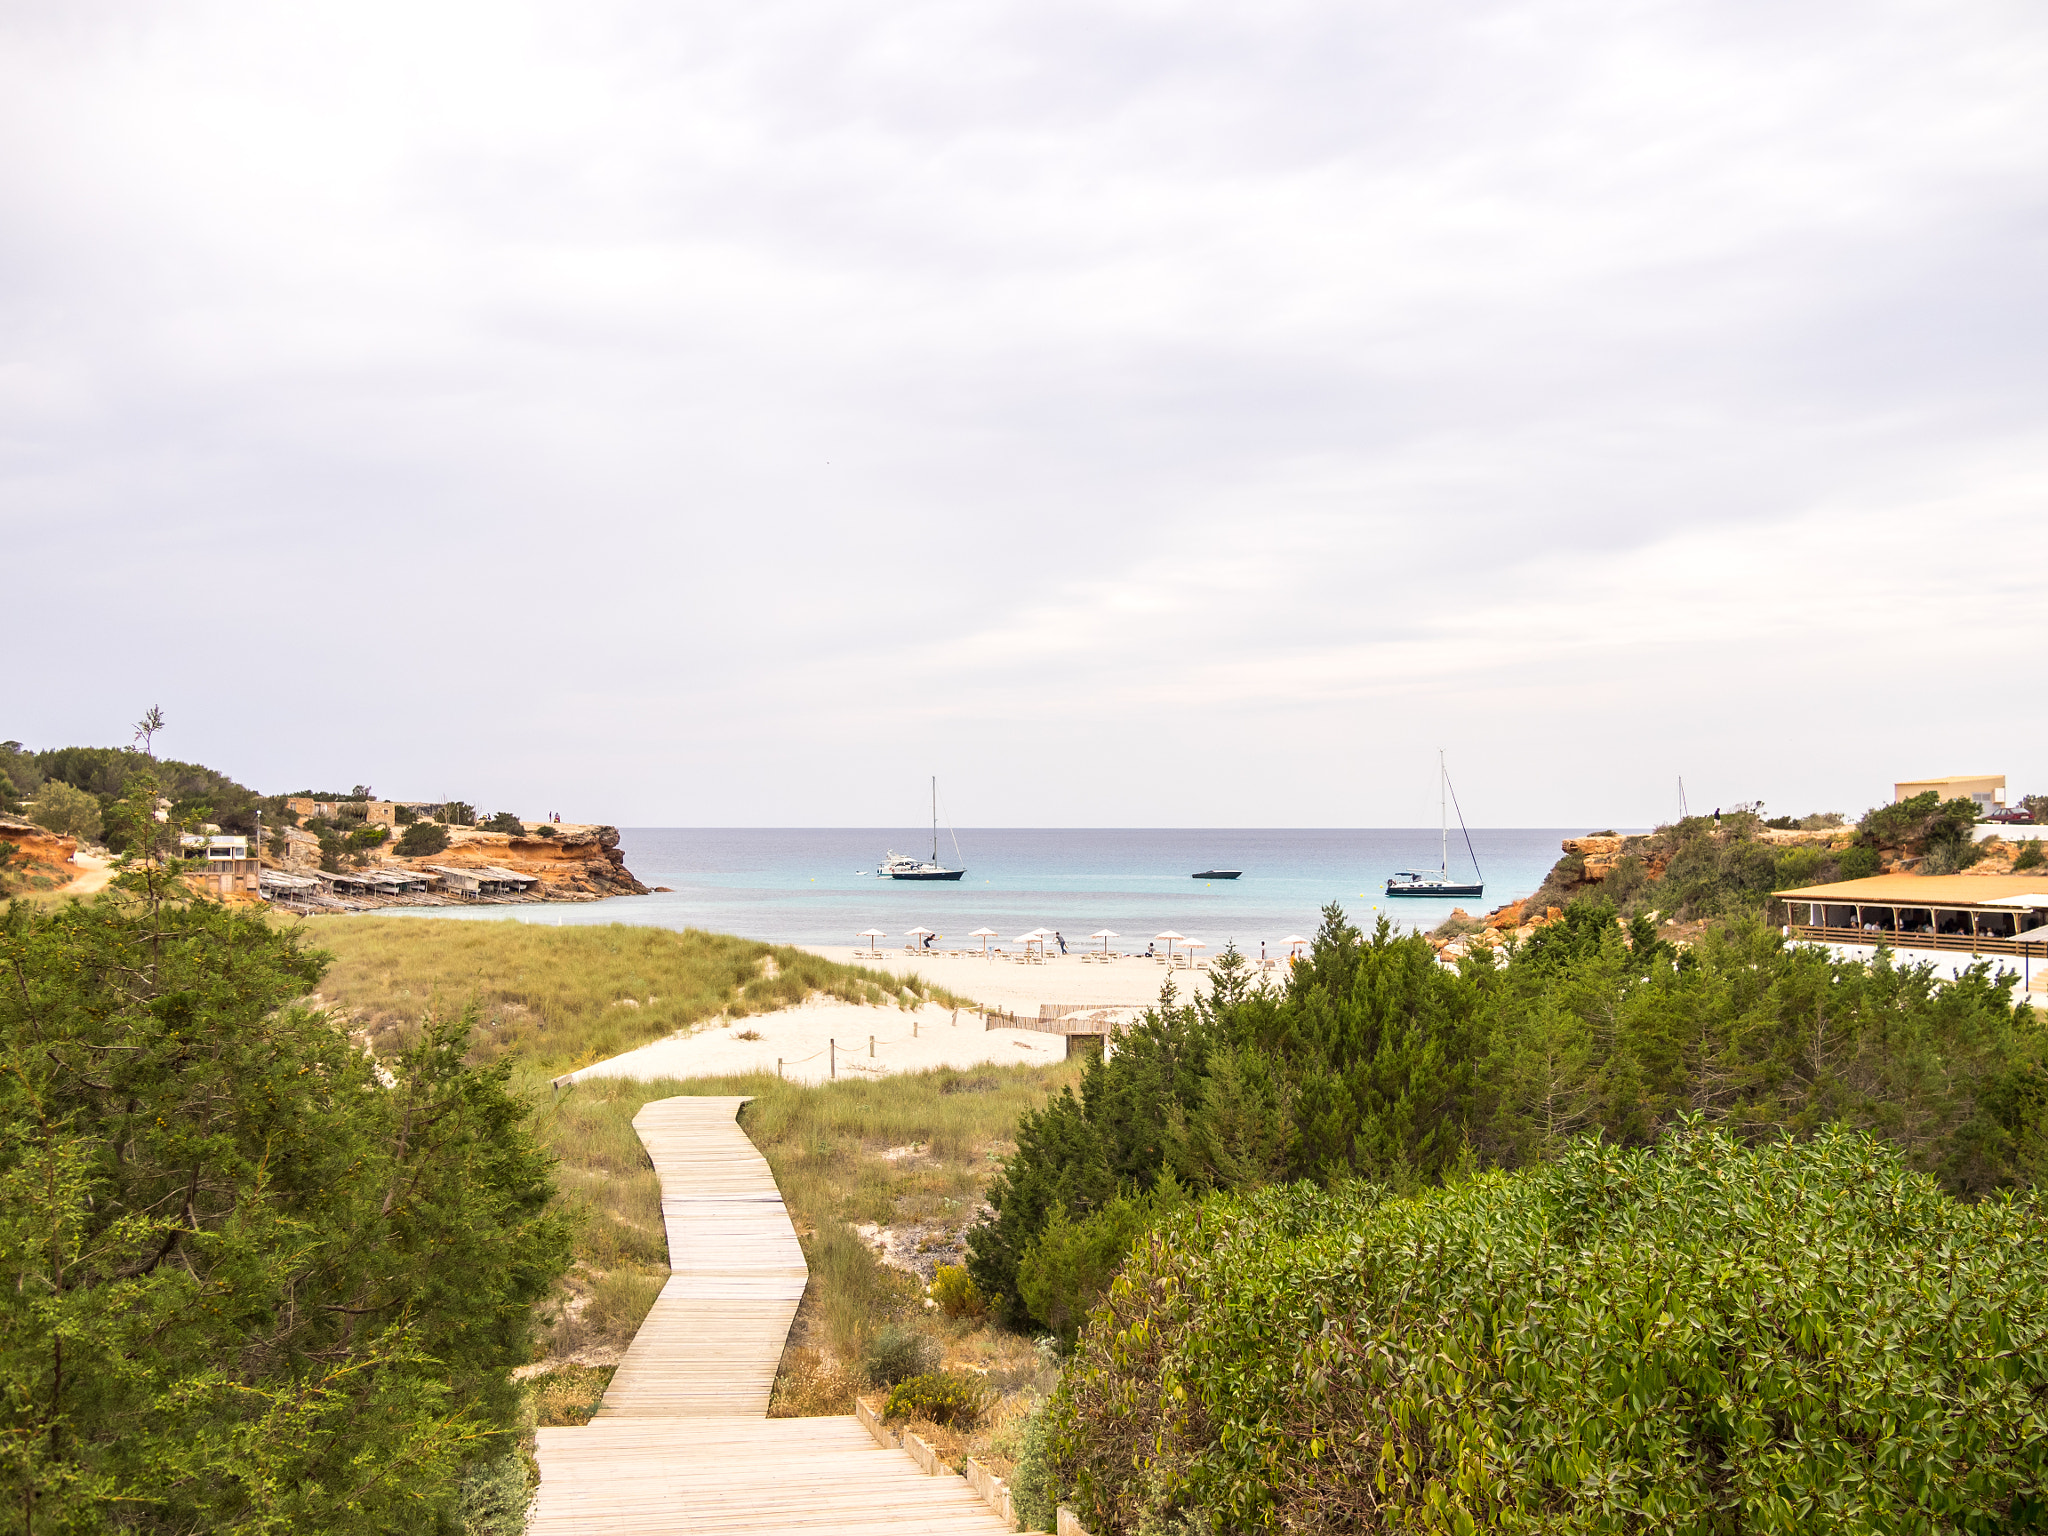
(2030, 857)
(1068, 1266)
(505, 821)
(956, 1293)
(1034, 1496)
(367, 837)
(944, 1397)
(265, 1260)
(66, 811)
(421, 839)
(1377, 1062)
(897, 1354)
(1704, 1337)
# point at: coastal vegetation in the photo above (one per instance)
(1701, 1336)
(1380, 1095)
(1377, 1062)
(107, 775)
(556, 999)
(254, 1279)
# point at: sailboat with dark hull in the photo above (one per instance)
(1438, 882)
(902, 866)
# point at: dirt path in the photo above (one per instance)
(94, 876)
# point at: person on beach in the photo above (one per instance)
(1262, 951)
(1149, 955)
(928, 939)
(1059, 941)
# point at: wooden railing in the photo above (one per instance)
(1957, 943)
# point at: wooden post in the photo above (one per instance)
(871, 1046)
(778, 1066)
(956, 1018)
(913, 1029)
(832, 1059)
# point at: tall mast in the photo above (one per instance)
(1443, 823)
(935, 818)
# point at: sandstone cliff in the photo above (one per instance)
(576, 863)
(43, 858)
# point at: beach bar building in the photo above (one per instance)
(1968, 916)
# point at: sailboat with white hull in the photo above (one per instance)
(1438, 882)
(903, 866)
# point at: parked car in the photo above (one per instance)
(2011, 818)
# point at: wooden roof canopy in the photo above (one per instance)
(1992, 893)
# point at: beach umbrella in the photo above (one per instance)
(871, 934)
(1105, 935)
(1169, 936)
(983, 934)
(1029, 939)
(917, 933)
(1294, 941)
(1191, 945)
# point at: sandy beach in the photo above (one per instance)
(1003, 983)
(803, 1040)
(821, 1037)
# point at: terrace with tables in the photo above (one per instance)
(1979, 915)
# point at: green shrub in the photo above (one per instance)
(1697, 1338)
(1856, 864)
(2030, 857)
(421, 839)
(367, 837)
(1034, 1494)
(1068, 1266)
(897, 1354)
(505, 821)
(66, 811)
(944, 1397)
(956, 1293)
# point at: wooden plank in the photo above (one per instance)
(681, 1445)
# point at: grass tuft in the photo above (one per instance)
(562, 998)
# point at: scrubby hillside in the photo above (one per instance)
(1708, 867)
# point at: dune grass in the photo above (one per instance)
(562, 998)
(913, 1151)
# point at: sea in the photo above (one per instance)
(817, 885)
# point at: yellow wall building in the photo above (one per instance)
(1987, 789)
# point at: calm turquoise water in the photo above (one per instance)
(817, 886)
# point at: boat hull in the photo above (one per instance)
(1217, 874)
(927, 874)
(1445, 889)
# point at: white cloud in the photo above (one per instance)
(1140, 413)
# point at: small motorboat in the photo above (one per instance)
(1217, 874)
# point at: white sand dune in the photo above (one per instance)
(802, 1038)
(823, 1038)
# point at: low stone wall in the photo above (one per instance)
(992, 1490)
(995, 1493)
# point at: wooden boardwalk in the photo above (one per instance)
(681, 1444)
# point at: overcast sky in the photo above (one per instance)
(1136, 414)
